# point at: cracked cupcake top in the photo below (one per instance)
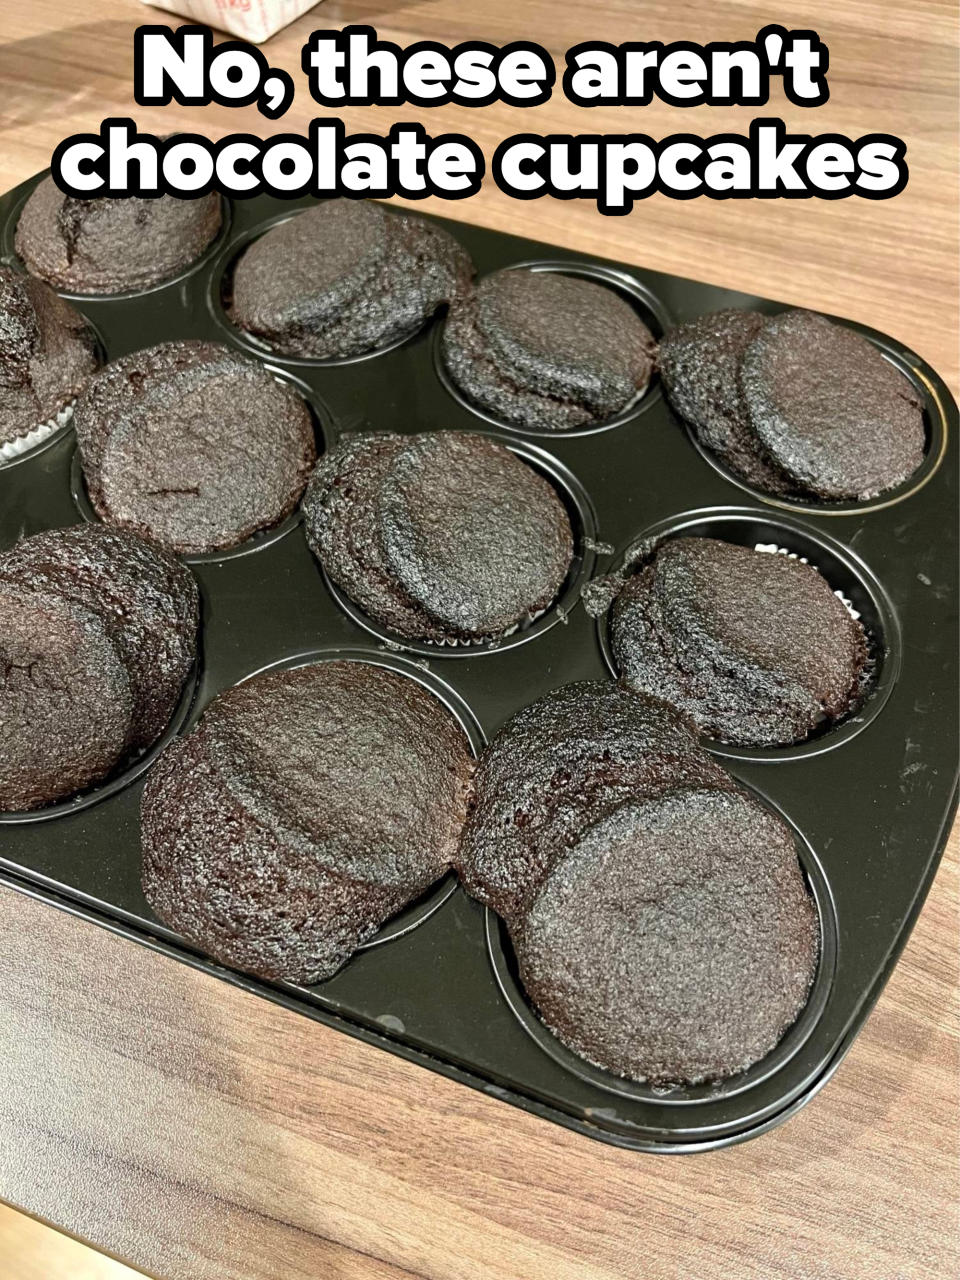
(47, 353)
(112, 245)
(345, 278)
(98, 632)
(194, 445)
(797, 405)
(754, 647)
(547, 351)
(306, 808)
(444, 536)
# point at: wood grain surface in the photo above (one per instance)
(200, 1132)
(31, 1250)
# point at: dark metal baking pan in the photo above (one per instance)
(871, 801)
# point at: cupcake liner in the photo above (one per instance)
(20, 445)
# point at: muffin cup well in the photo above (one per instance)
(503, 961)
(844, 571)
(324, 434)
(584, 526)
(644, 301)
(935, 428)
(41, 437)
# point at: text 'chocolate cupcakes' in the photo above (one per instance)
(755, 648)
(98, 632)
(659, 916)
(308, 807)
(193, 445)
(47, 353)
(344, 279)
(106, 246)
(795, 404)
(446, 537)
(546, 351)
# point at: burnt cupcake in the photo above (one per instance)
(700, 368)
(675, 941)
(796, 405)
(147, 600)
(560, 764)
(107, 246)
(307, 808)
(341, 517)
(755, 648)
(98, 632)
(660, 919)
(193, 445)
(829, 409)
(447, 537)
(343, 279)
(546, 351)
(47, 353)
(65, 701)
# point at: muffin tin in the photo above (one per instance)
(870, 800)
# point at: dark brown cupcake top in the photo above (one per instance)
(675, 941)
(65, 698)
(561, 762)
(47, 352)
(753, 646)
(307, 807)
(795, 404)
(829, 409)
(547, 351)
(147, 600)
(700, 366)
(362, 744)
(345, 278)
(441, 536)
(112, 245)
(97, 635)
(193, 445)
(474, 534)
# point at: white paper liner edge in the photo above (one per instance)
(23, 444)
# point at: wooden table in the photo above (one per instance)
(198, 1131)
